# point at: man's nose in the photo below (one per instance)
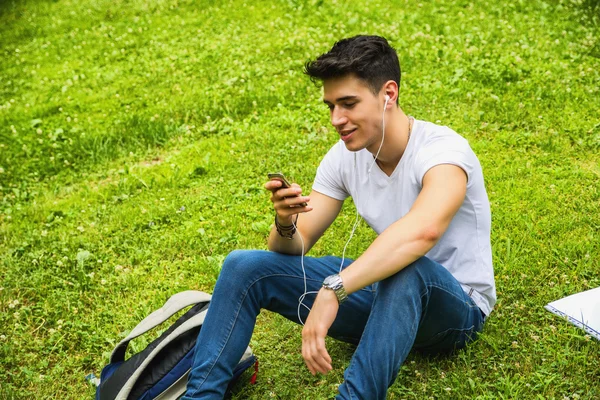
(337, 117)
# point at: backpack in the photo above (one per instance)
(160, 371)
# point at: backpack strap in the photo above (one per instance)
(193, 322)
(176, 303)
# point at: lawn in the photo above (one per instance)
(136, 136)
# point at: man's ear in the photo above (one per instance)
(390, 88)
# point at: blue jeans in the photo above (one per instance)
(422, 306)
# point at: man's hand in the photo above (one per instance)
(287, 202)
(320, 319)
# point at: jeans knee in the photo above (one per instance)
(235, 263)
(414, 271)
(240, 264)
(420, 267)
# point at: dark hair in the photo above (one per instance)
(370, 58)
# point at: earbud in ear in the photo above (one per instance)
(387, 97)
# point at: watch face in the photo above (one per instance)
(333, 281)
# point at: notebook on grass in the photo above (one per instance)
(581, 309)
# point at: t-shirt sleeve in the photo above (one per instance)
(447, 150)
(328, 180)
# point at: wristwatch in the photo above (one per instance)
(334, 282)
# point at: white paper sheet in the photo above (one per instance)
(581, 309)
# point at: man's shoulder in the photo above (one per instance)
(434, 137)
(433, 131)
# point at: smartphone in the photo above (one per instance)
(284, 182)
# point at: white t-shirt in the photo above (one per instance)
(464, 249)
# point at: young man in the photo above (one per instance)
(427, 280)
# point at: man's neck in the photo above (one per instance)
(397, 127)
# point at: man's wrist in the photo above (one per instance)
(286, 231)
(328, 295)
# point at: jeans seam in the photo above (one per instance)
(350, 392)
(454, 330)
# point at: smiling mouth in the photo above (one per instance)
(346, 134)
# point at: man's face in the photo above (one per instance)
(355, 112)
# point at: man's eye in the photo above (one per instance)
(349, 105)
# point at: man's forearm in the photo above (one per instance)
(402, 243)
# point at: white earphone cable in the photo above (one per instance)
(301, 298)
(382, 133)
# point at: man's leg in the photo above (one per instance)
(422, 306)
(249, 281)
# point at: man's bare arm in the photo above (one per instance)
(406, 240)
(399, 245)
(411, 237)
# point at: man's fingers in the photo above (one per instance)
(320, 356)
(321, 366)
(310, 367)
(289, 192)
(288, 206)
(307, 359)
(315, 355)
(277, 186)
(286, 198)
(273, 185)
(295, 201)
(323, 351)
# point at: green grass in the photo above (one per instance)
(135, 137)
